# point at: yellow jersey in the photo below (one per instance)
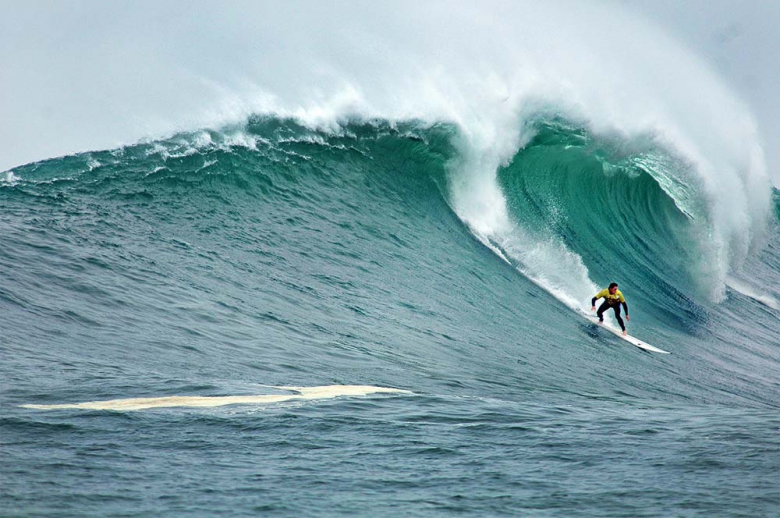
(609, 298)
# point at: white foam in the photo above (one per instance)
(9, 178)
(240, 139)
(488, 68)
(755, 294)
(300, 393)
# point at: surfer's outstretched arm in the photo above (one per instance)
(596, 297)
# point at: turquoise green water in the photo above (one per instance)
(223, 263)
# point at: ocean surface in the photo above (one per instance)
(256, 289)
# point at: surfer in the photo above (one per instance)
(612, 299)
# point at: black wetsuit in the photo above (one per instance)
(613, 303)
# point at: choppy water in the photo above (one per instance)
(233, 262)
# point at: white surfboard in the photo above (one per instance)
(628, 338)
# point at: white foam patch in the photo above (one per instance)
(299, 393)
(753, 293)
(545, 261)
(9, 178)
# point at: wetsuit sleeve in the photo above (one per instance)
(598, 296)
(623, 301)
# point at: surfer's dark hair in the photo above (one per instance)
(613, 285)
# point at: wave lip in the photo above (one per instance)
(301, 393)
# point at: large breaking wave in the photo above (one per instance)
(572, 209)
(634, 99)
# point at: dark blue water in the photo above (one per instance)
(225, 263)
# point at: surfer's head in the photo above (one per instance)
(613, 288)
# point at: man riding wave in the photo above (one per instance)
(612, 299)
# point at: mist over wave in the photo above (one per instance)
(598, 65)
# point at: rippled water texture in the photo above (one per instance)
(255, 292)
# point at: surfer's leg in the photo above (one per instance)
(619, 319)
(601, 311)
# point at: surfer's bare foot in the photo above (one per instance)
(625, 333)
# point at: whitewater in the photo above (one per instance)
(344, 277)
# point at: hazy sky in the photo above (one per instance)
(80, 75)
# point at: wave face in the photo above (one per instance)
(275, 253)
(591, 209)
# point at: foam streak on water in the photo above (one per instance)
(301, 393)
